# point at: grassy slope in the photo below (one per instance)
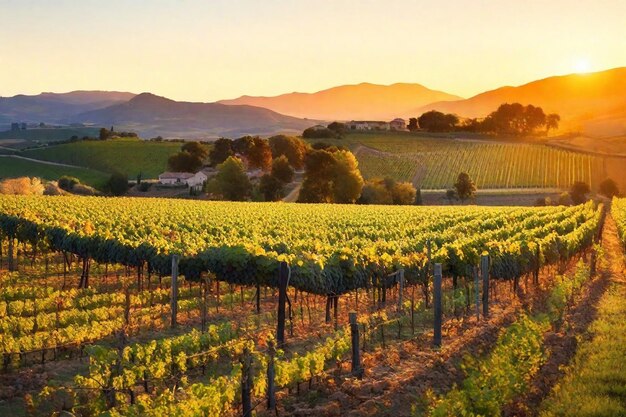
(129, 156)
(50, 134)
(595, 383)
(11, 168)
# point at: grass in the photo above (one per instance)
(127, 155)
(12, 167)
(595, 384)
(50, 134)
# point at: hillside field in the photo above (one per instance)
(127, 155)
(434, 161)
(13, 167)
(46, 135)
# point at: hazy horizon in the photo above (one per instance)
(198, 51)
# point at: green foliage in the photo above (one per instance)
(464, 187)
(271, 188)
(231, 180)
(388, 191)
(435, 121)
(260, 154)
(331, 176)
(609, 188)
(117, 184)
(281, 169)
(222, 149)
(291, 147)
(67, 183)
(578, 192)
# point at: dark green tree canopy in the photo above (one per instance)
(271, 188)
(281, 169)
(578, 192)
(294, 149)
(435, 121)
(464, 187)
(222, 149)
(608, 188)
(231, 180)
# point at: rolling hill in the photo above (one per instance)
(56, 107)
(151, 115)
(594, 103)
(362, 101)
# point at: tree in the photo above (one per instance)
(117, 184)
(347, 181)
(242, 145)
(67, 183)
(318, 133)
(375, 192)
(196, 149)
(260, 154)
(435, 121)
(608, 188)
(281, 169)
(271, 188)
(104, 134)
(184, 162)
(552, 122)
(339, 129)
(317, 187)
(413, 126)
(403, 193)
(451, 195)
(418, 197)
(231, 180)
(464, 187)
(293, 148)
(578, 192)
(222, 149)
(388, 191)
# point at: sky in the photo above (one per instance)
(218, 49)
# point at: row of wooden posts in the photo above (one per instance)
(356, 367)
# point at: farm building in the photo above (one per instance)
(367, 125)
(398, 124)
(187, 178)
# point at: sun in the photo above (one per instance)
(582, 66)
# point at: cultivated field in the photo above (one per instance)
(434, 163)
(246, 277)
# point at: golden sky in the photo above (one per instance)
(214, 49)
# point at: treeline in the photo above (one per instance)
(509, 119)
(258, 169)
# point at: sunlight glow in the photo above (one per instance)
(582, 66)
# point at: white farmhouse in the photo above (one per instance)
(189, 179)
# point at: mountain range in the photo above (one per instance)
(363, 101)
(594, 103)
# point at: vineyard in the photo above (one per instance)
(435, 163)
(192, 308)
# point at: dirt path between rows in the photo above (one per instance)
(562, 345)
(399, 376)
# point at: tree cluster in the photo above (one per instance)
(190, 158)
(331, 176)
(388, 191)
(435, 121)
(335, 130)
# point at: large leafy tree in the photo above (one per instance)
(260, 154)
(231, 180)
(435, 121)
(331, 177)
(222, 149)
(281, 169)
(292, 148)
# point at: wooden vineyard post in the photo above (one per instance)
(127, 306)
(477, 292)
(428, 271)
(437, 306)
(484, 269)
(357, 370)
(174, 291)
(283, 280)
(271, 387)
(11, 259)
(538, 266)
(246, 383)
(400, 289)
